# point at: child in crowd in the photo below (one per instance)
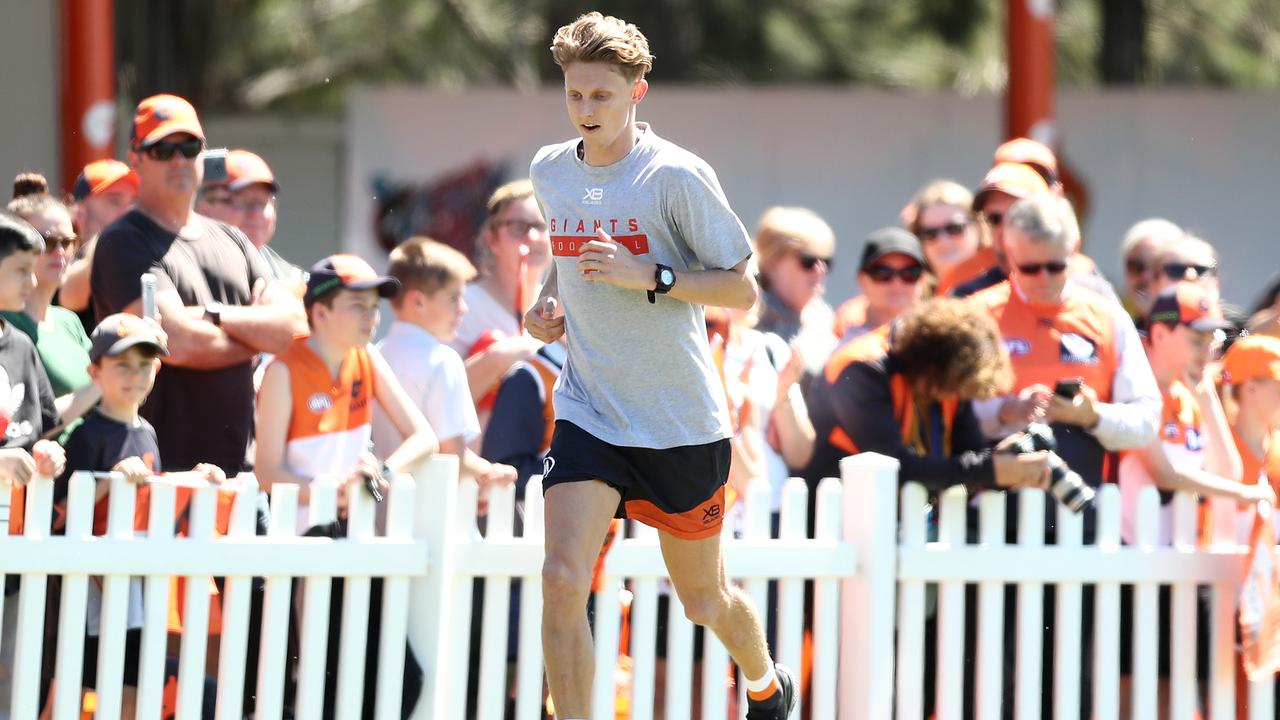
(26, 407)
(315, 406)
(428, 307)
(1251, 381)
(124, 357)
(1194, 451)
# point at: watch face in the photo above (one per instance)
(668, 277)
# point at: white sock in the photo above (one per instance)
(764, 683)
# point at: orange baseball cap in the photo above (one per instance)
(100, 176)
(1185, 303)
(160, 116)
(346, 271)
(245, 168)
(1014, 179)
(1251, 357)
(1029, 152)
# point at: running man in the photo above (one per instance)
(643, 237)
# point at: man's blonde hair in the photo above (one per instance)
(427, 266)
(785, 230)
(598, 38)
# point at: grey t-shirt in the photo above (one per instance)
(637, 374)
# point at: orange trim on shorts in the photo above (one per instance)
(699, 523)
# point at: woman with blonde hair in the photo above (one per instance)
(512, 254)
(941, 216)
(795, 249)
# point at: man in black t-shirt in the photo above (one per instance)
(217, 303)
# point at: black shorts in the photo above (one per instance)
(132, 658)
(679, 490)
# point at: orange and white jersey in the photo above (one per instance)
(1182, 440)
(1256, 470)
(1084, 336)
(330, 425)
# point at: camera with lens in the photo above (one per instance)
(1066, 484)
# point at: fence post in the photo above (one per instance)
(429, 610)
(868, 616)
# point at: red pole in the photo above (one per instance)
(1029, 100)
(88, 115)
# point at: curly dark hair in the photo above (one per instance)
(947, 346)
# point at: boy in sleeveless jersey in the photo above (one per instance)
(642, 238)
(316, 402)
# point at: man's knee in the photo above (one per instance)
(705, 605)
(564, 582)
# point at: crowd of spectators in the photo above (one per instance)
(978, 315)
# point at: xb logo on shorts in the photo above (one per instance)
(710, 514)
(548, 462)
(593, 196)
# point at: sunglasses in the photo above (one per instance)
(994, 219)
(59, 242)
(883, 273)
(951, 229)
(1178, 271)
(1134, 266)
(809, 262)
(163, 150)
(1057, 267)
(520, 227)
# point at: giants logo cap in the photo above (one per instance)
(1251, 357)
(346, 271)
(1185, 303)
(121, 331)
(245, 168)
(1029, 152)
(1013, 179)
(100, 176)
(160, 116)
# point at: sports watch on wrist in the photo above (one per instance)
(213, 313)
(664, 279)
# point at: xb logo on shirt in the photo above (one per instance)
(593, 196)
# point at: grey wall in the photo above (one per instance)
(29, 85)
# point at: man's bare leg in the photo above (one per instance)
(577, 518)
(696, 568)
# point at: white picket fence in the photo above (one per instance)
(870, 561)
(895, 554)
(429, 557)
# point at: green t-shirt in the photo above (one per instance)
(62, 345)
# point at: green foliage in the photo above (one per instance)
(304, 54)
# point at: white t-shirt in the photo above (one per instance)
(483, 314)
(435, 379)
(761, 385)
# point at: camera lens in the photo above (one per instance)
(1064, 483)
(1067, 486)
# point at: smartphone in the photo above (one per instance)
(1067, 388)
(215, 165)
(148, 295)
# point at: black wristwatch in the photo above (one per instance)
(213, 312)
(664, 279)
